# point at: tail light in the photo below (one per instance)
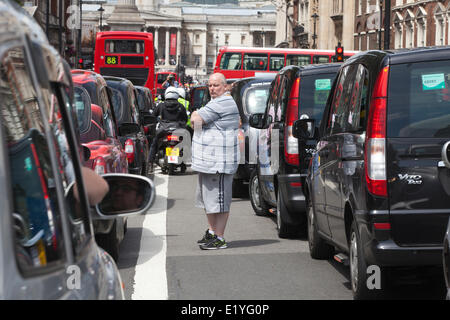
(290, 142)
(172, 138)
(146, 130)
(100, 165)
(375, 153)
(129, 150)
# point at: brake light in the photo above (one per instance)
(172, 138)
(382, 226)
(100, 165)
(129, 150)
(375, 153)
(290, 142)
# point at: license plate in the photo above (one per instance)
(172, 152)
(172, 159)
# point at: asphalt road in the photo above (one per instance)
(160, 258)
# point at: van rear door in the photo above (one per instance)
(418, 124)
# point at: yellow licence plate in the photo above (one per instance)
(172, 152)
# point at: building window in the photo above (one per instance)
(398, 36)
(439, 30)
(243, 39)
(409, 34)
(421, 33)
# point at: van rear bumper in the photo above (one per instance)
(388, 253)
(293, 196)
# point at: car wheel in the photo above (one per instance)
(285, 230)
(359, 270)
(259, 205)
(318, 248)
(109, 242)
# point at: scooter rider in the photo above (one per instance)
(169, 111)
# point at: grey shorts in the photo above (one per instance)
(214, 192)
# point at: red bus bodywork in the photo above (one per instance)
(160, 77)
(126, 54)
(243, 62)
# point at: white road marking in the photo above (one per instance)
(150, 280)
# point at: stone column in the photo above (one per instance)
(156, 41)
(178, 46)
(167, 46)
(205, 47)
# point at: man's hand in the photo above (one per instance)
(196, 120)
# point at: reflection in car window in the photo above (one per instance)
(314, 92)
(255, 99)
(81, 103)
(37, 216)
(419, 100)
(109, 125)
(117, 101)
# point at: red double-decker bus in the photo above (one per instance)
(243, 62)
(127, 55)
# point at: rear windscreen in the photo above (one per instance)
(314, 92)
(419, 100)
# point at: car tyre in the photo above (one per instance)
(318, 248)
(285, 230)
(259, 205)
(109, 242)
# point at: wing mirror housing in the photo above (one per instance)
(446, 154)
(128, 195)
(260, 121)
(304, 129)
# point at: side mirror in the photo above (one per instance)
(86, 153)
(128, 128)
(304, 129)
(128, 194)
(149, 119)
(446, 154)
(258, 121)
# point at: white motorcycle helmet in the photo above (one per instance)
(182, 93)
(171, 93)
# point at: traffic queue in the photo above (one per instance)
(354, 156)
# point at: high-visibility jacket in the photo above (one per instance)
(185, 103)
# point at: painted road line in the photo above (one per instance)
(150, 280)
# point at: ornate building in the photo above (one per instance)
(189, 33)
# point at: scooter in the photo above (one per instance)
(169, 155)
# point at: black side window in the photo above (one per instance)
(39, 244)
(359, 102)
(107, 117)
(273, 100)
(284, 98)
(337, 122)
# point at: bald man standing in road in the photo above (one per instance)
(215, 156)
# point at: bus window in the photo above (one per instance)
(276, 62)
(321, 59)
(297, 60)
(231, 61)
(255, 61)
(124, 46)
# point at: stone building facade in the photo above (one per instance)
(199, 30)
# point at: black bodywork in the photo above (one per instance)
(417, 206)
(198, 97)
(279, 180)
(127, 112)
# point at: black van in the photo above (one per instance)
(296, 92)
(250, 95)
(376, 189)
(131, 125)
